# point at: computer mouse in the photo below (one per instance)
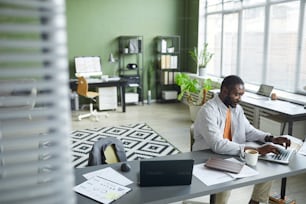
(125, 167)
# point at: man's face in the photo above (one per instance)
(233, 95)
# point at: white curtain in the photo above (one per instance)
(35, 155)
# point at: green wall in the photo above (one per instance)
(93, 27)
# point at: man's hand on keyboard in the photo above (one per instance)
(282, 141)
(268, 148)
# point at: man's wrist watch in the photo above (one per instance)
(269, 138)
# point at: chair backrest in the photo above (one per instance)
(191, 136)
(82, 86)
(106, 151)
(111, 156)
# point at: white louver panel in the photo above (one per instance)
(35, 157)
(251, 113)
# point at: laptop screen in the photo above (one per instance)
(165, 172)
(265, 90)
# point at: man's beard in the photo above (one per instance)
(228, 102)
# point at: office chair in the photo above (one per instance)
(83, 91)
(107, 150)
(191, 143)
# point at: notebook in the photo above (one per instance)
(224, 165)
(165, 172)
(283, 158)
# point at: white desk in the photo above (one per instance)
(286, 111)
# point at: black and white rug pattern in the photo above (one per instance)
(139, 140)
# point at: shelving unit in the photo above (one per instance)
(131, 66)
(168, 63)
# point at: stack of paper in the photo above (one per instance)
(100, 188)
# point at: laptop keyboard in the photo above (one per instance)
(283, 154)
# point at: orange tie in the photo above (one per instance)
(227, 129)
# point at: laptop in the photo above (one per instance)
(283, 158)
(165, 172)
(265, 90)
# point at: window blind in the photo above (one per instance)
(35, 155)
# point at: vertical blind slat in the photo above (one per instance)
(35, 155)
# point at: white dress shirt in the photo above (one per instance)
(209, 128)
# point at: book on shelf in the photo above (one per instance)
(133, 46)
(101, 190)
(168, 62)
(168, 78)
(162, 46)
(164, 78)
(173, 62)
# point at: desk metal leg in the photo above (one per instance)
(283, 128)
(284, 180)
(283, 188)
(290, 127)
(212, 199)
(122, 92)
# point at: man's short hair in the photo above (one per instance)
(231, 81)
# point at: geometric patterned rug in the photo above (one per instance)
(139, 140)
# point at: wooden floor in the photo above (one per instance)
(171, 120)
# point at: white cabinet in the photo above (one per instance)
(107, 98)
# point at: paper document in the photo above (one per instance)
(212, 177)
(110, 174)
(101, 190)
(246, 171)
(303, 149)
(209, 176)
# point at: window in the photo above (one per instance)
(252, 46)
(282, 53)
(230, 37)
(263, 41)
(214, 45)
(301, 85)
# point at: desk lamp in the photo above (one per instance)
(112, 60)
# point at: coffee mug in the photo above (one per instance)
(250, 157)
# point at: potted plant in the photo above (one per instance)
(201, 58)
(194, 90)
